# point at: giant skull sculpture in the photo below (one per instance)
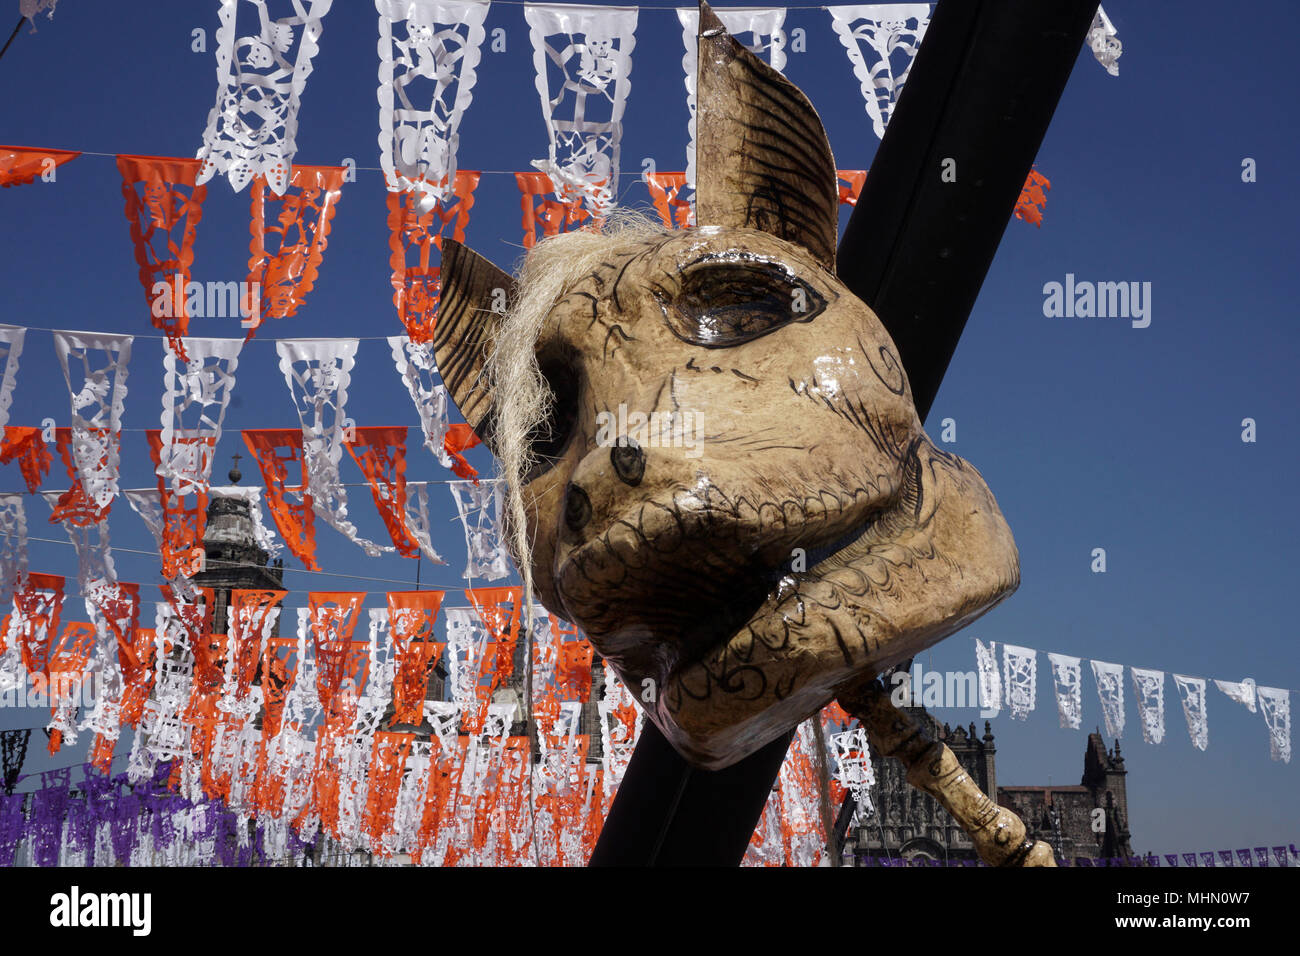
(814, 536)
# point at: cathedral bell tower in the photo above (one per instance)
(234, 559)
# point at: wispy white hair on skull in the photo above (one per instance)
(521, 399)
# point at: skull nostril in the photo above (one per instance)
(577, 508)
(629, 461)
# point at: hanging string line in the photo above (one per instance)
(361, 169)
(287, 338)
(237, 565)
(332, 574)
(344, 484)
(367, 169)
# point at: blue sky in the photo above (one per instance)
(1091, 433)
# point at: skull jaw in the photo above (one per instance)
(713, 740)
(940, 559)
(669, 576)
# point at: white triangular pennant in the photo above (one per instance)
(195, 398)
(417, 519)
(1191, 691)
(318, 372)
(1068, 679)
(1149, 687)
(98, 390)
(479, 507)
(881, 40)
(11, 349)
(1275, 706)
(1104, 41)
(264, 50)
(13, 545)
(91, 543)
(1020, 678)
(583, 60)
(990, 680)
(853, 768)
(1110, 690)
(1243, 692)
(419, 372)
(428, 54)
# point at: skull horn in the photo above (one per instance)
(764, 161)
(475, 295)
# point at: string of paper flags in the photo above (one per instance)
(110, 821)
(789, 832)
(181, 545)
(1014, 686)
(196, 394)
(322, 759)
(200, 706)
(164, 209)
(316, 730)
(429, 55)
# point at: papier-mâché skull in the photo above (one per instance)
(788, 530)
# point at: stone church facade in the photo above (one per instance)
(908, 825)
(234, 558)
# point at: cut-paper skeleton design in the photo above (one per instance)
(261, 75)
(853, 768)
(1067, 675)
(1191, 690)
(479, 506)
(13, 546)
(881, 41)
(425, 85)
(813, 536)
(318, 373)
(97, 407)
(417, 368)
(11, 349)
(1149, 687)
(195, 395)
(1020, 674)
(583, 59)
(1110, 691)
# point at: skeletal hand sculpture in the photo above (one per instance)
(730, 491)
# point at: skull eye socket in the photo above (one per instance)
(549, 440)
(724, 303)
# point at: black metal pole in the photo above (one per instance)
(977, 104)
(667, 813)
